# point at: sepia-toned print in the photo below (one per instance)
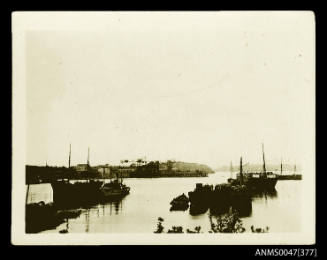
(131, 126)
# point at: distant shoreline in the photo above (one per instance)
(100, 179)
(48, 174)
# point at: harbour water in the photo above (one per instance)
(150, 198)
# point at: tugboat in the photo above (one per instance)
(114, 189)
(179, 203)
(258, 181)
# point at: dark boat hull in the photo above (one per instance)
(261, 183)
(66, 194)
(39, 217)
(290, 177)
(179, 203)
(114, 193)
(114, 190)
(220, 199)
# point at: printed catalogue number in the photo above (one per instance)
(298, 252)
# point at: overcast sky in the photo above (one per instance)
(205, 87)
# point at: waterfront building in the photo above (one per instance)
(82, 167)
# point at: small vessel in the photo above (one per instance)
(179, 203)
(114, 189)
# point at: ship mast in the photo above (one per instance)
(88, 156)
(294, 169)
(281, 166)
(70, 150)
(241, 172)
(264, 162)
(231, 170)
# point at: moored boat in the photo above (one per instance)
(293, 176)
(114, 189)
(257, 181)
(290, 177)
(180, 203)
(79, 193)
(67, 193)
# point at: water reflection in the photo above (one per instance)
(115, 206)
(100, 211)
(265, 194)
(242, 206)
(150, 199)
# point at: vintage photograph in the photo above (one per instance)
(163, 127)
